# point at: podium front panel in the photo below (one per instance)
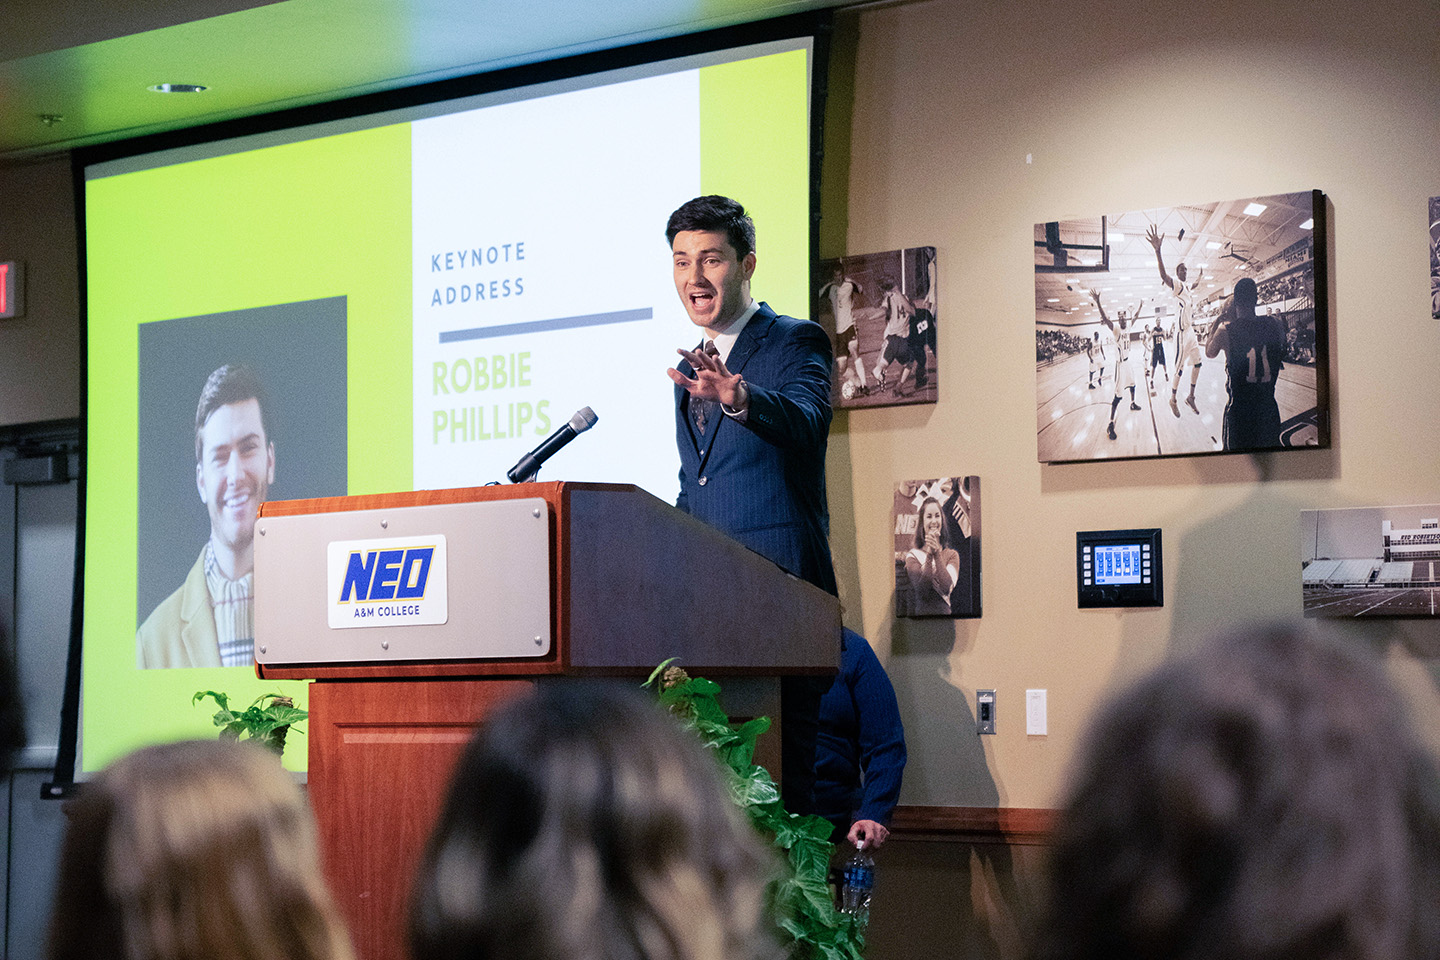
(453, 581)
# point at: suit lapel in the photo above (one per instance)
(198, 634)
(750, 339)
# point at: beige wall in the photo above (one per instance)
(40, 352)
(1121, 106)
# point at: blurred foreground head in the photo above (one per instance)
(201, 849)
(584, 824)
(1262, 798)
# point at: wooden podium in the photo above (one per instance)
(542, 583)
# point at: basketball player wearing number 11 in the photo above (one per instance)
(1254, 347)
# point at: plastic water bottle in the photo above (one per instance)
(859, 883)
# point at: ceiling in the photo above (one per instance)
(1218, 242)
(78, 72)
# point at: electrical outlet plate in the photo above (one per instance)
(1037, 722)
(984, 711)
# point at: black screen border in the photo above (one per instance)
(815, 25)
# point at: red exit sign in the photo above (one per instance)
(12, 303)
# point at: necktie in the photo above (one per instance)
(700, 409)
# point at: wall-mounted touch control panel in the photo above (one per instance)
(1119, 568)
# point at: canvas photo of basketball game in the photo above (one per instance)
(880, 310)
(1183, 330)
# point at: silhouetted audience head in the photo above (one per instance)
(1261, 798)
(200, 849)
(584, 824)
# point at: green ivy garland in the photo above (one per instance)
(800, 901)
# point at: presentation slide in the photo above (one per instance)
(405, 301)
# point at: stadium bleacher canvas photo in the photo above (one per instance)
(1182, 330)
(1371, 561)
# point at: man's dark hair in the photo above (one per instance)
(716, 213)
(232, 383)
(1246, 293)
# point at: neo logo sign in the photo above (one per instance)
(395, 574)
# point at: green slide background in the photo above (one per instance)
(294, 222)
(754, 146)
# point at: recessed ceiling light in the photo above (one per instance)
(178, 88)
(1212, 245)
(1255, 209)
(1308, 224)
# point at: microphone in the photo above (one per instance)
(529, 464)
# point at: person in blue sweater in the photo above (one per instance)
(860, 749)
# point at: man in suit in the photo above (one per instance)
(752, 419)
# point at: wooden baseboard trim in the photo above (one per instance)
(1012, 825)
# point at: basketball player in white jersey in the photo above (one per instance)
(1124, 372)
(1187, 347)
(1092, 347)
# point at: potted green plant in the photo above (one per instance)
(266, 721)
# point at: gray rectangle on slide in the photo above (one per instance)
(547, 326)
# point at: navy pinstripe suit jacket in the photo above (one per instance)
(763, 481)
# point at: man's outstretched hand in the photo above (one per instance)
(712, 381)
